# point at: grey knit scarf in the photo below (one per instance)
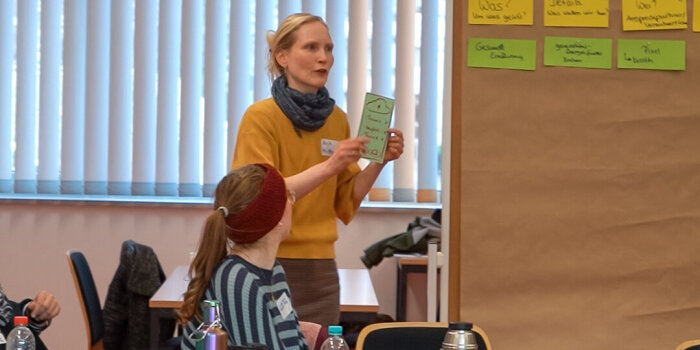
(306, 111)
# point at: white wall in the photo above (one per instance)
(34, 237)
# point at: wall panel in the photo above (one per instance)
(579, 211)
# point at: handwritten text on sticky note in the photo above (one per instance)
(578, 52)
(501, 53)
(576, 13)
(507, 12)
(651, 54)
(654, 14)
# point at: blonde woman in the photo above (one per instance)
(302, 133)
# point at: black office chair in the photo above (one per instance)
(689, 345)
(88, 297)
(410, 336)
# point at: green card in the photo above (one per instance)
(651, 54)
(577, 52)
(376, 117)
(502, 53)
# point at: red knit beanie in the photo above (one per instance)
(263, 213)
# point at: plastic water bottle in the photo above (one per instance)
(335, 339)
(21, 338)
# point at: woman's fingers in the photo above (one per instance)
(394, 148)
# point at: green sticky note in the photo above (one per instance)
(651, 54)
(578, 52)
(502, 53)
(376, 117)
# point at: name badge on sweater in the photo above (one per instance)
(284, 305)
(328, 147)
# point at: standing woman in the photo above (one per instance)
(306, 137)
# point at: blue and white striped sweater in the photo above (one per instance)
(248, 312)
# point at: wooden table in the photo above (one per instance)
(168, 298)
(171, 293)
(358, 301)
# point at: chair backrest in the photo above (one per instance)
(689, 345)
(88, 297)
(410, 336)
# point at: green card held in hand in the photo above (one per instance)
(376, 117)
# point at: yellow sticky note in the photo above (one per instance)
(576, 13)
(696, 15)
(654, 14)
(511, 12)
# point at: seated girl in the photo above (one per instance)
(236, 265)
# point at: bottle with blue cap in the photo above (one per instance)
(335, 339)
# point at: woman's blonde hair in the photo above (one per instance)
(235, 191)
(285, 37)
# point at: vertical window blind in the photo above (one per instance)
(143, 98)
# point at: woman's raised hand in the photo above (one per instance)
(347, 152)
(394, 148)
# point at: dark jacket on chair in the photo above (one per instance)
(126, 312)
(414, 240)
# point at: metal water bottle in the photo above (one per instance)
(210, 335)
(459, 336)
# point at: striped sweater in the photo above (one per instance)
(249, 313)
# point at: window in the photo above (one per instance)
(140, 100)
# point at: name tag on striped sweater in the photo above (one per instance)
(284, 305)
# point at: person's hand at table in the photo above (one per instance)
(43, 308)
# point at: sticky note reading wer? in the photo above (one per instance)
(376, 117)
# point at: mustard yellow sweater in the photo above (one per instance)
(267, 135)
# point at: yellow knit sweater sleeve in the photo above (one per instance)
(266, 135)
